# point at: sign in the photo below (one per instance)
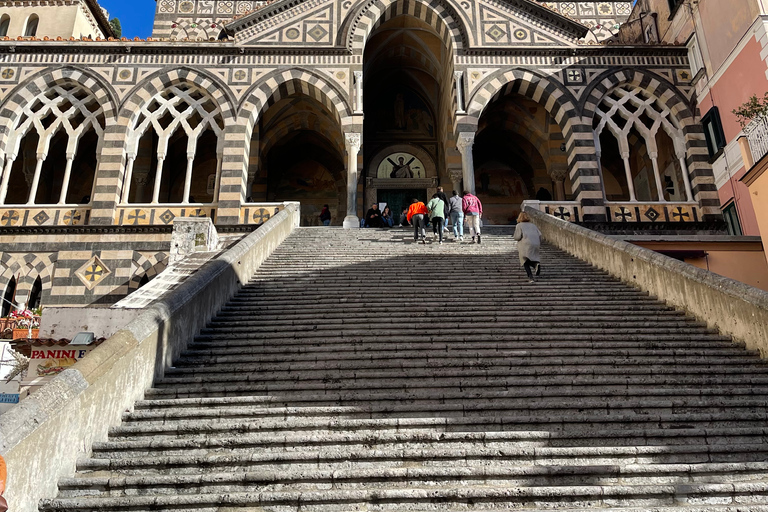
(9, 398)
(47, 362)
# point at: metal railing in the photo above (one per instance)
(757, 135)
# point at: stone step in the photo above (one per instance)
(257, 480)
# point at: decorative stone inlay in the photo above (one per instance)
(261, 216)
(93, 272)
(496, 33)
(10, 218)
(41, 217)
(317, 33)
(167, 217)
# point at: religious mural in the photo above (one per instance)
(501, 190)
(401, 165)
(307, 181)
(404, 112)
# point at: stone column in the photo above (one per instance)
(465, 143)
(358, 92)
(128, 177)
(36, 179)
(687, 178)
(188, 179)
(142, 179)
(657, 173)
(158, 178)
(459, 77)
(6, 176)
(630, 181)
(67, 174)
(353, 141)
(558, 176)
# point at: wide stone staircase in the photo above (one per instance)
(361, 371)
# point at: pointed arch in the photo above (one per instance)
(440, 14)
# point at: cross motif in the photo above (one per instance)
(261, 216)
(623, 214)
(136, 216)
(240, 75)
(574, 75)
(72, 217)
(94, 272)
(680, 215)
(8, 73)
(10, 218)
(562, 214)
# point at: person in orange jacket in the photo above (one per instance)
(3, 478)
(417, 216)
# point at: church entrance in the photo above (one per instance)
(397, 199)
(408, 74)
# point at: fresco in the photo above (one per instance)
(401, 165)
(501, 190)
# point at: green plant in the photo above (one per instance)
(117, 27)
(754, 109)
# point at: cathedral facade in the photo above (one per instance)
(234, 107)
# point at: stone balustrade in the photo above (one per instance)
(35, 216)
(624, 212)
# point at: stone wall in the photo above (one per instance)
(42, 437)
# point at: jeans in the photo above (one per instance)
(445, 224)
(419, 226)
(473, 221)
(437, 226)
(327, 222)
(387, 221)
(458, 224)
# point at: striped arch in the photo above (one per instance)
(162, 80)
(149, 266)
(26, 269)
(583, 166)
(12, 108)
(669, 98)
(282, 84)
(439, 14)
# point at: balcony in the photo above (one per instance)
(757, 138)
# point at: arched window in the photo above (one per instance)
(174, 147)
(36, 294)
(10, 294)
(32, 24)
(52, 150)
(5, 23)
(637, 136)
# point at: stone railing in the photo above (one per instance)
(259, 213)
(623, 212)
(732, 307)
(652, 212)
(757, 135)
(565, 210)
(160, 214)
(42, 437)
(35, 216)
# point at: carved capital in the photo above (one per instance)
(456, 175)
(358, 77)
(559, 174)
(465, 141)
(353, 141)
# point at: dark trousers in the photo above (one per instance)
(419, 222)
(437, 226)
(529, 266)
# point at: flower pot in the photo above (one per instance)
(21, 334)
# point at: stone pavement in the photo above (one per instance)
(361, 371)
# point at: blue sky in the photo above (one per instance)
(136, 16)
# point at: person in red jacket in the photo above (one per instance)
(417, 216)
(3, 478)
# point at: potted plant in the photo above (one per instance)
(27, 324)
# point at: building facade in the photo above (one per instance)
(235, 106)
(726, 42)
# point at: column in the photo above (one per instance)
(353, 141)
(188, 179)
(465, 143)
(128, 178)
(687, 179)
(358, 92)
(659, 186)
(65, 183)
(36, 179)
(158, 178)
(459, 77)
(558, 176)
(219, 161)
(630, 181)
(6, 176)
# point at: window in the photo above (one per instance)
(694, 55)
(732, 219)
(32, 23)
(713, 131)
(5, 23)
(673, 5)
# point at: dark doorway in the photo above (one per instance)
(10, 294)
(36, 295)
(397, 199)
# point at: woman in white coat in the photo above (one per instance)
(528, 239)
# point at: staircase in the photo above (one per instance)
(361, 371)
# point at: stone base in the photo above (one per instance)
(351, 222)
